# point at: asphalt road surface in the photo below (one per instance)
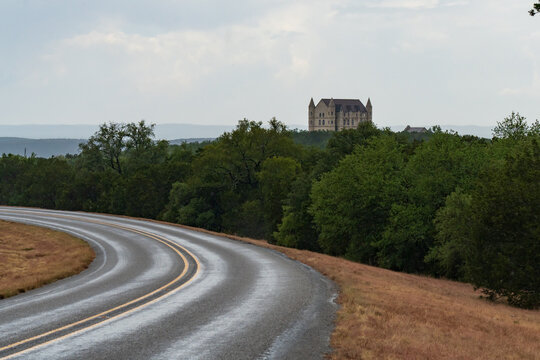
(157, 291)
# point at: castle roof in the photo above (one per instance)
(411, 129)
(352, 105)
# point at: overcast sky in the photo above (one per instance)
(422, 62)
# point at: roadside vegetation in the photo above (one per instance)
(440, 204)
(32, 256)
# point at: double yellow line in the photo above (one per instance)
(104, 313)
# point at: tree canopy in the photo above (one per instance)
(535, 10)
(442, 204)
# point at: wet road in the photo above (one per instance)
(156, 291)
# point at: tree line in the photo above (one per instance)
(445, 205)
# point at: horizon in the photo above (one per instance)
(180, 131)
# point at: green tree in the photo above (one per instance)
(235, 158)
(13, 169)
(318, 139)
(514, 127)
(84, 190)
(148, 190)
(225, 178)
(112, 195)
(352, 202)
(139, 136)
(248, 219)
(297, 228)
(34, 181)
(119, 146)
(276, 176)
(140, 149)
(343, 142)
(453, 229)
(106, 146)
(503, 252)
(535, 10)
(434, 171)
(404, 240)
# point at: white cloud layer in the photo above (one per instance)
(415, 4)
(278, 42)
(422, 62)
(406, 4)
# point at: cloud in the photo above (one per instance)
(405, 4)
(530, 51)
(415, 4)
(278, 42)
(452, 54)
(510, 91)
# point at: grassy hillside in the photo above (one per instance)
(32, 256)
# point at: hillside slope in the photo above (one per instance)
(391, 315)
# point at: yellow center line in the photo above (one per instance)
(148, 234)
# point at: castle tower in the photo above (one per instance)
(369, 109)
(311, 115)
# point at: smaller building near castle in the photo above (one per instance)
(338, 114)
(411, 130)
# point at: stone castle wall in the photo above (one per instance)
(325, 117)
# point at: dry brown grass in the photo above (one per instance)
(391, 315)
(32, 256)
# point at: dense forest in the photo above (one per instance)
(445, 205)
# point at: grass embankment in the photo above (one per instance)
(391, 315)
(32, 256)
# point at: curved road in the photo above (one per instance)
(158, 291)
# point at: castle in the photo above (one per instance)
(338, 114)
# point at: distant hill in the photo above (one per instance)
(190, 140)
(190, 131)
(162, 131)
(41, 147)
(55, 147)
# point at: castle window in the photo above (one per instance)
(319, 121)
(323, 122)
(353, 121)
(348, 122)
